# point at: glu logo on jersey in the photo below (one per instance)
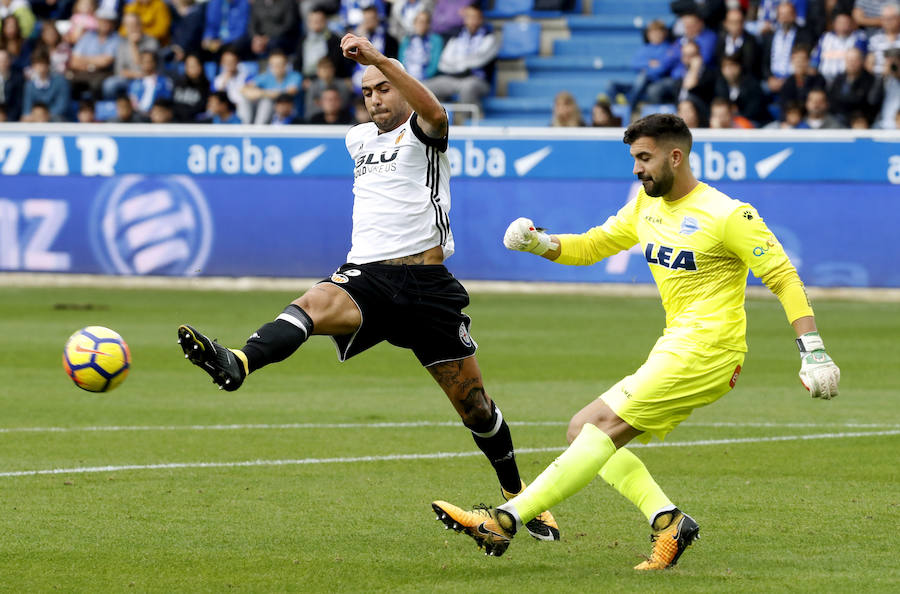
(151, 225)
(382, 162)
(668, 258)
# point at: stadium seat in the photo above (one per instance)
(651, 108)
(509, 8)
(104, 110)
(211, 69)
(520, 39)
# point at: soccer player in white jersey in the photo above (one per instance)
(394, 286)
(699, 244)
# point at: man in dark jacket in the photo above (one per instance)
(743, 90)
(274, 24)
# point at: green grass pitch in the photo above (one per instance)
(791, 514)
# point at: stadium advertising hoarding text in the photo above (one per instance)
(256, 201)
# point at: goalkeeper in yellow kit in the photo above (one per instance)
(699, 244)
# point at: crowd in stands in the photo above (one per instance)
(771, 64)
(723, 63)
(227, 61)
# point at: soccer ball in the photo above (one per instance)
(96, 358)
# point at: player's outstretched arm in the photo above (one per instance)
(432, 115)
(523, 236)
(818, 373)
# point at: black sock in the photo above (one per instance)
(494, 439)
(279, 339)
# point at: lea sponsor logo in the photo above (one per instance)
(669, 258)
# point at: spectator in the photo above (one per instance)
(734, 40)
(94, 55)
(690, 77)
(151, 85)
(447, 16)
(884, 39)
(52, 10)
(156, 20)
(260, 92)
(274, 24)
(332, 109)
(793, 116)
(830, 54)
(859, 121)
(187, 28)
(285, 111)
(802, 80)
(190, 91)
(51, 42)
(227, 22)
(850, 91)
(47, 87)
(763, 15)
(867, 12)
(402, 22)
(817, 116)
(886, 91)
(371, 28)
(221, 109)
(127, 66)
(742, 90)
(3, 115)
(566, 112)
(693, 112)
(125, 113)
(711, 12)
(21, 9)
(694, 30)
(777, 47)
(360, 113)
(318, 42)
(325, 77)
(723, 114)
(162, 111)
(86, 114)
(467, 62)
(232, 77)
(82, 20)
(352, 13)
(602, 115)
(12, 88)
(12, 40)
(649, 62)
(39, 114)
(420, 51)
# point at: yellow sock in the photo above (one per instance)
(627, 474)
(569, 473)
(242, 357)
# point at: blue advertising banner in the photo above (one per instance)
(197, 201)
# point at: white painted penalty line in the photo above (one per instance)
(409, 425)
(434, 456)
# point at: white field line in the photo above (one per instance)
(432, 456)
(297, 285)
(408, 425)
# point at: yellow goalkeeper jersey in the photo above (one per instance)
(699, 249)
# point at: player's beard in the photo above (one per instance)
(387, 121)
(661, 184)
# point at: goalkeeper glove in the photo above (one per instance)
(521, 235)
(818, 373)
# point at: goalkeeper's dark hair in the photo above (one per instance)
(664, 127)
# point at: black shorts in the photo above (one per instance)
(416, 307)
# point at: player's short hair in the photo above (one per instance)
(666, 127)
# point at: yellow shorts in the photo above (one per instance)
(678, 376)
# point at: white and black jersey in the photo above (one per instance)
(401, 189)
